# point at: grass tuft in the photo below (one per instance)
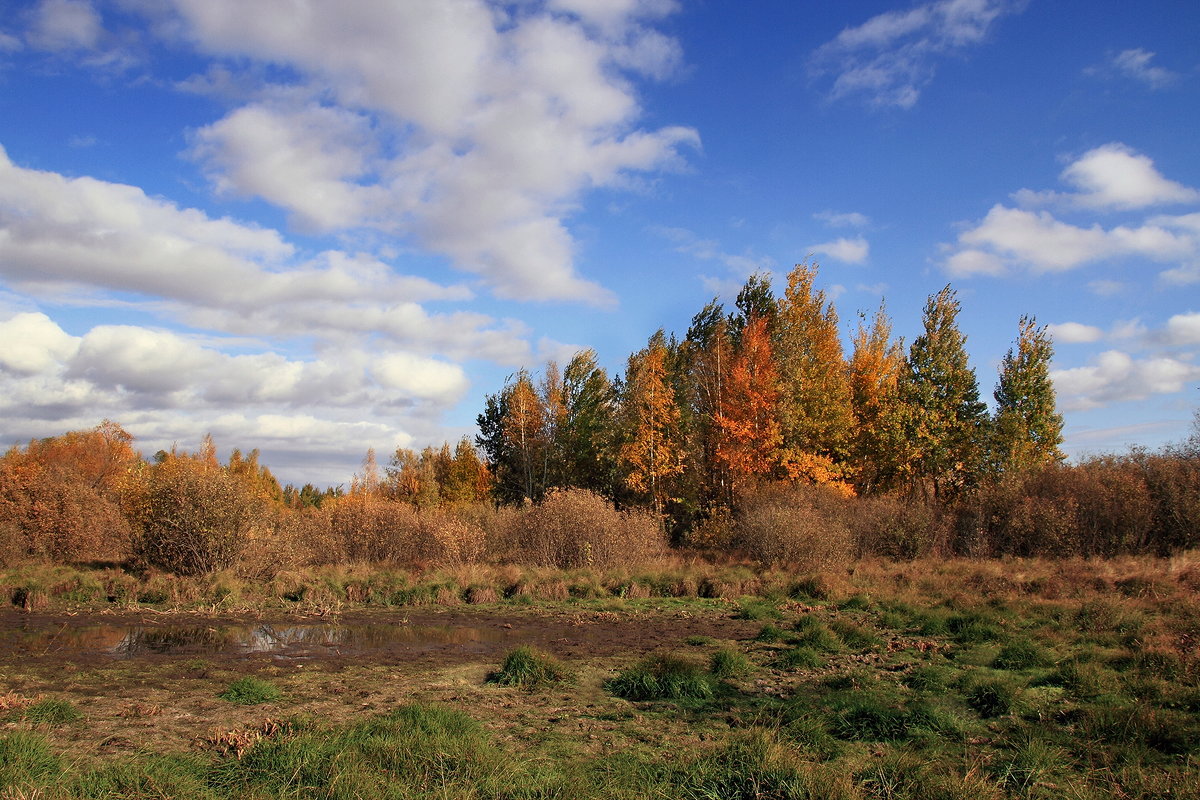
(250, 691)
(663, 677)
(528, 668)
(729, 663)
(53, 712)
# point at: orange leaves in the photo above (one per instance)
(654, 451)
(748, 426)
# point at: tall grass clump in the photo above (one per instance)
(53, 712)
(528, 668)
(26, 762)
(663, 677)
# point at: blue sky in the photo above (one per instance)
(315, 228)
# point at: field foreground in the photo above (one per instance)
(912, 680)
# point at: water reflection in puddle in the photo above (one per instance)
(287, 640)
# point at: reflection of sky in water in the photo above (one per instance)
(295, 640)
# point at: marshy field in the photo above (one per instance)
(931, 678)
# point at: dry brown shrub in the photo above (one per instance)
(578, 528)
(197, 517)
(802, 527)
(895, 527)
(477, 595)
(451, 539)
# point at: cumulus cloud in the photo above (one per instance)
(891, 57)
(165, 386)
(1115, 377)
(33, 344)
(470, 128)
(1074, 332)
(1184, 329)
(850, 251)
(1113, 177)
(88, 238)
(1109, 178)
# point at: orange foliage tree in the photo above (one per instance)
(652, 453)
(749, 436)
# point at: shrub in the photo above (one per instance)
(802, 527)
(196, 517)
(250, 691)
(577, 528)
(528, 668)
(663, 677)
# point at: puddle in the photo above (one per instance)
(287, 640)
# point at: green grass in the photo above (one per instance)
(53, 712)
(249, 691)
(663, 677)
(729, 663)
(529, 668)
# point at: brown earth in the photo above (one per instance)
(164, 703)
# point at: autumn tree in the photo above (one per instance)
(652, 452)
(1027, 429)
(814, 394)
(512, 435)
(66, 498)
(944, 420)
(749, 436)
(877, 445)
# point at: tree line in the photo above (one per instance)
(764, 394)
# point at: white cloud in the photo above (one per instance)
(892, 56)
(1113, 177)
(969, 262)
(306, 159)
(1116, 377)
(1107, 288)
(33, 344)
(1135, 64)
(1074, 332)
(851, 219)
(65, 25)
(1045, 244)
(86, 238)
(473, 129)
(420, 377)
(1184, 329)
(851, 251)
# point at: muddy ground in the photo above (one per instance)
(168, 702)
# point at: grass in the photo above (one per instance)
(250, 691)
(53, 712)
(905, 680)
(663, 677)
(529, 668)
